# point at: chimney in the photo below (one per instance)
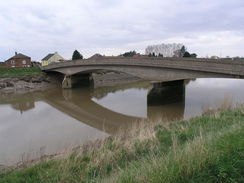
(16, 53)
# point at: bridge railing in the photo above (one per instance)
(207, 65)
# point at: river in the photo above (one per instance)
(49, 122)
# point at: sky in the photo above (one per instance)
(36, 28)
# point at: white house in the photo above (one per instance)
(52, 58)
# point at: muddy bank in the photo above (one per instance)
(22, 84)
(104, 79)
(27, 83)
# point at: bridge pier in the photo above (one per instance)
(166, 93)
(67, 82)
(76, 81)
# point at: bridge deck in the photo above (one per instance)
(153, 68)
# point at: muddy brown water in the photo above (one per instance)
(49, 122)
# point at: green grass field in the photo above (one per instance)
(12, 72)
(204, 149)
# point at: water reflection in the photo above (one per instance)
(56, 119)
(166, 100)
(80, 105)
(24, 106)
(162, 101)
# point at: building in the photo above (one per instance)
(52, 58)
(24, 106)
(96, 56)
(36, 64)
(214, 57)
(3, 65)
(99, 56)
(138, 55)
(18, 61)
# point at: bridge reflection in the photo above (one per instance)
(79, 105)
(164, 101)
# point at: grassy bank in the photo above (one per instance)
(13, 72)
(203, 149)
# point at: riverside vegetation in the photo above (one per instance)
(12, 72)
(209, 148)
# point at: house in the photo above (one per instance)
(36, 64)
(138, 55)
(214, 57)
(98, 56)
(19, 60)
(52, 58)
(24, 106)
(112, 57)
(3, 65)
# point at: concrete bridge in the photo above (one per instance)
(154, 69)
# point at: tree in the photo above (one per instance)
(76, 55)
(152, 55)
(176, 53)
(160, 55)
(168, 50)
(129, 54)
(194, 55)
(183, 51)
(187, 54)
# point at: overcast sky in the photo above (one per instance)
(111, 27)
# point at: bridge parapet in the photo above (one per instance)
(209, 65)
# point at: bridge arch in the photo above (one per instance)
(90, 71)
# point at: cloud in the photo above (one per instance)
(113, 26)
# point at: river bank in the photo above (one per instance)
(15, 72)
(203, 149)
(104, 79)
(26, 83)
(21, 82)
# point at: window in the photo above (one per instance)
(12, 62)
(23, 62)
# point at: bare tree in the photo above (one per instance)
(167, 50)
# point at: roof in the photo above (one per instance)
(97, 55)
(19, 55)
(48, 56)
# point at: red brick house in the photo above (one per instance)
(3, 65)
(18, 61)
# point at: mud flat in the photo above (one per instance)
(21, 84)
(103, 79)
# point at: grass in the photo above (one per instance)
(13, 72)
(203, 149)
(215, 158)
